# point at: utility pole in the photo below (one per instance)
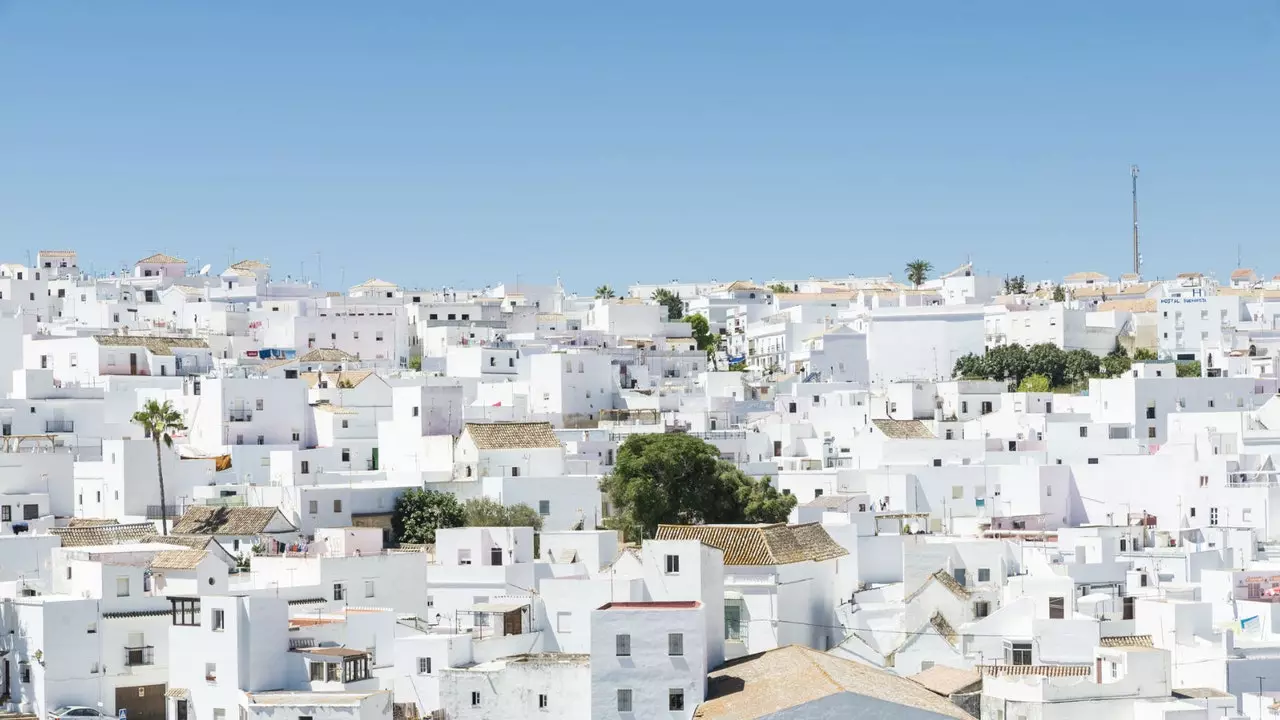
(1137, 259)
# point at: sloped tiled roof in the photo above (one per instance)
(830, 502)
(161, 258)
(155, 344)
(760, 544)
(1082, 276)
(216, 520)
(103, 534)
(344, 377)
(1035, 670)
(947, 680)
(178, 559)
(945, 580)
(195, 542)
(904, 429)
(251, 266)
(943, 627)
(512, 435)
(769, 683)
(57, 253)
(327, 355)
(376, 283)
(1127, 641)
(91, 522)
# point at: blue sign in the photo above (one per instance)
(124, 713)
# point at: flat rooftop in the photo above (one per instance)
(653, 605)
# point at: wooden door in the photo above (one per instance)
(141, 702)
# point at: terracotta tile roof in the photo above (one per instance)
(177, 693)
(944, 628)
(904, 429)
(178, 559)
(512, 435)
(327, 355)
(195, 542)
(946, 680)
(830, 502)
(91, 522)
(342, 652)
(1241, 274)
(215, 520)
(155, 344)
(1139, 305)
(1035, 670)
(760, 544)
(1083, 276)
(251, 266)
(766, 684)
(376, 283)
(1127, 641)
(944, 579)
(161, 258)
(345, 377)
(103, 534)
(57, 253)
(334, 409)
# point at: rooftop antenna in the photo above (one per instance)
(1137, 259)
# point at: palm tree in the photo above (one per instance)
(604, 292)
(918, 271)
(160, 421)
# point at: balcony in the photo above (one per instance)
(59, 426)
(240, 416)
(134, 656)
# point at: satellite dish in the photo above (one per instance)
(205, 270)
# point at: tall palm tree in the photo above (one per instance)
(918, 271)
(604, 291)
(160, 421)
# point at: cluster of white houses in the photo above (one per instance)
(957, 549)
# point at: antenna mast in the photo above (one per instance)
(1137, 259)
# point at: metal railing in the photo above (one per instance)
(59, 426)
(240, 416)
(144, 655)
(154, 511)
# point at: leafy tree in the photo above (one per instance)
(604, 292)
(918, 271)
(780, 288)
(1059, 293)
(1048, 360)
(1008, 362)
(677, 478)
(1034, 383)
(1081, 365)
(1116, 363)
(160, 421)
(419, 513)
(415, 363)
(671, 301)
(740, 366)
(487, 512)
(1144, 355)
(1016, 285)
(1190, 368)
(971, 366)
(702, 333)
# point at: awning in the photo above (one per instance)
(178, 693)
(497, 607)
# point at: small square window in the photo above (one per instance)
(675, 700)
(673, 564)
(122, 586)
(544, 507)
(475, 699)
(675, 644)
(424, 666)
(622, 645)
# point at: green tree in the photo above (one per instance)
(702, 333)
(1034, 383)
(160, 421)
(677, 478)
(780, 288)
(487, 512)
(971, 366)
(671, 301)
(918, 271)
(1144, 355)
(604, 292)
(1191, 368)
(1015, 285)
(1116, 363)
(1048, 360)
(415, 363)
(1007, 362)
(1059, 293)
(419, 513)
(1081, 365)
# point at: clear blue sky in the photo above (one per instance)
(464, 142)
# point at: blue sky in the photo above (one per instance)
(441, 143)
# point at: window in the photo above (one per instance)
(313, 506)
(346, 454)
(122, 586)
(673, 564)
(1092, 461)
(960, 576)
(675, 644)
(339, 591)
(1131, 605)
(1048, 491)
(542, 702)
(964, 406)
(306, 467)
(622, 645)
(424, 666)
(1213, 516)
(377, 336)
(72, 358)
(257, 404)
(30, 512)
(346, 424)
(544, 507)
(337, 506)
(675, 699)
(1057, 608)
(984, 574)
(986, 407)
(624, 700)
(211, 675)
(950, 434)
(415, 411)
(475, 699)
(368, 588)
(1151, 432)
(1018, 653)
(24, 673)
(262, 440)
(515, 471)
(296, 435)
(218, 618)
(1084, 431)
(564, 623)
(957, 492)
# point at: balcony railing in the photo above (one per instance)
(154, 512)
(134, 656)
(59, 426)
(240, 416)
